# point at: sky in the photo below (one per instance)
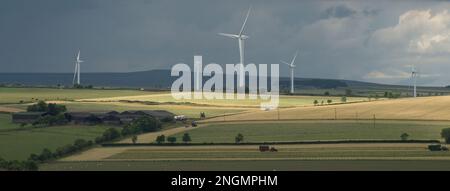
(374, 41)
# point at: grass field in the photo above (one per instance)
(261, 165)
(19, 144)
(421, 108)
(284, 153)
(315, 130)
(289, 157)
(15, 95)
(6, 124)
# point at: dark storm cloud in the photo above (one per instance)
(336, 39)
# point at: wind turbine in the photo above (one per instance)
(292, 67)
(76, 74)
(240, 37)
(414, 79)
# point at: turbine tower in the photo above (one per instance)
(240, 37)
(292, 67)
(414, 80)
(76, 74)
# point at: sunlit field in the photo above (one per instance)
(285, 101)
(17, 95)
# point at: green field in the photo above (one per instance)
(6, 124)
(315, 130)
(15, 95)
(217, 153)
(263, 165)
(19, 144)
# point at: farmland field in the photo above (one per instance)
(188, 110)
(285, 152)
(19, 144)
(260, 165)
(421, 108)
(15, 95)
(289, 157)
(315, 130)
(6, 124)
(285, 101)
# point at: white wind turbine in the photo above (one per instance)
(414, 80)
(76, 74)
(241, 37)
(292, 67)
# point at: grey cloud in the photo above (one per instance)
(120, 36)
(339, 11)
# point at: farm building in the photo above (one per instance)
(27, 117)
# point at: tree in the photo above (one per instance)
(45, 155)
(329, 101)
(327, 93)
(445, 133)
(172, 140)
(186, 138)
(316, 102)
(404, 136)
(239, 138)
(202, 115)
(142, 125)
(54, 109)
(110, 134)
(134, 139)
(41, 106)
(343, 99)
(160, 139)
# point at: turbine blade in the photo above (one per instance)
(78, 55)
(245, 21)
(229, 35)
(285, 62)
(295, 56)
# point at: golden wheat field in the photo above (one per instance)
(423, 108)
(285, 100)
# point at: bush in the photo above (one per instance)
(111, 134)
(160, 139)
(134, 139)
(445, 133)
(172, 140)
(41, 106)
(142, 125)
(404, 136)
(15, 165)
(51, 108)
(186, 138)
(50, 120)
(434, 147)
(239, 138)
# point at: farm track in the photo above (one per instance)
(4, 109)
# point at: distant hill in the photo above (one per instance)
(159, 79)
